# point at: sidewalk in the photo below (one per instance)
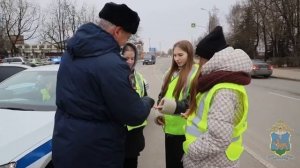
(287, 73)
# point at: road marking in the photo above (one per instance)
(257, 157)
(284, 96)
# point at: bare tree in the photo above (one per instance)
(277, 26)
(244, 28)
(56, 25)
(289, 12)
(20, 20)
(213, 19)
(81, 16)
(1, 36)
(62, 20)
(234, 18)
(277, 23)
(87, 14)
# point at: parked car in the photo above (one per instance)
(34, 62)
(261, 68)
(55, 60)
(27, 118)
(7, 70)
(46, 61)
(15, 60)
(149, 59)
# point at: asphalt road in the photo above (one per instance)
(270, 100)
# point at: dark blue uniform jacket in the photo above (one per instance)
(94, 101)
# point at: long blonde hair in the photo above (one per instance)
(194, 86)
(183, 74)
(193, 92)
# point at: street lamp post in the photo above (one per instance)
(209, 26)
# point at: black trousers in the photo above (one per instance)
(174, 150)
(131, 162)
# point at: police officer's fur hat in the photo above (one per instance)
(212, 43)
(120, 15)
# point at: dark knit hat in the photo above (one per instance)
(120, 15)
(212, 43)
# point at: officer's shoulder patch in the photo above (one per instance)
(131, 78)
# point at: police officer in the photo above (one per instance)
(95, 99)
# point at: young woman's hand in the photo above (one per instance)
(160, 120)
(185, 114)
(159, 106)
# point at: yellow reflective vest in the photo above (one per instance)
(139, 86)
(197, 122)
(174, 124)
(45, 94)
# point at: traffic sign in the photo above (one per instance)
(193, 25)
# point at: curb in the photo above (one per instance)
(285, 78)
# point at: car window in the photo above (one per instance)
(16, 60)
(7, 71)
(6, 60)
(147, 57)
(258, 61)
(29, 90)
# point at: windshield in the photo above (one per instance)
(29, 90)
(148, 57)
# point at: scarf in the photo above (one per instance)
(206, 82)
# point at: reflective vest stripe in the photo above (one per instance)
(129, 128)
(235, 139)
(193, 130)
(197, 119)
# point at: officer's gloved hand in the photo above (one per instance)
(148, 100)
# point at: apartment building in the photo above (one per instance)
(38, 50)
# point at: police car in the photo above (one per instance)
(27, 108)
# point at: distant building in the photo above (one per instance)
(38, 50)
(47, 50)
(20, 40)
(140, 48)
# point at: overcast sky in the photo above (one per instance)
(163, 22)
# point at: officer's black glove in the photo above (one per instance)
(148, 100)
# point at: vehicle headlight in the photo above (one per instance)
(9, 165)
